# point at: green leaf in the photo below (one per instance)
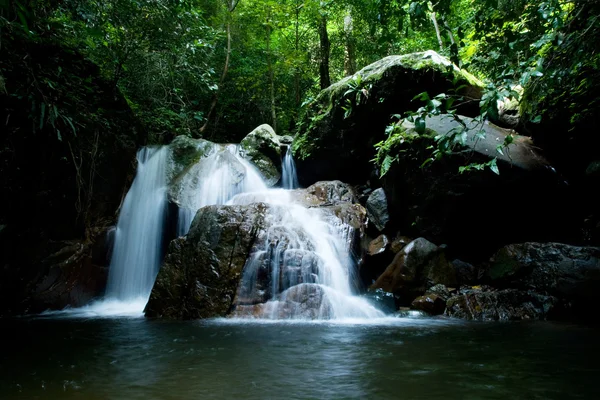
(420, 125)
(494, 167)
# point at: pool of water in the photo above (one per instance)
(400, 358)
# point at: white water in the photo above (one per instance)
(215, 180)
(302, 246)
(137, 248)
(307, 251)
(289, 177)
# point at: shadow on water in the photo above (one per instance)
(394, 358)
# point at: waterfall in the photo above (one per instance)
(214, 180)
(289, 177)
(303, 267)
(137, 249)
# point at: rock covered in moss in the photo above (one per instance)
(334, 144)
(262, 147)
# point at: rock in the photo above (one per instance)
(377, 209)
(567, 272)
(417, 267)
(378, 245)
(466, 274)
(330, 145)
(304, 301)
(439, 290)
(332, 192)
(486, 304)
(262, 147)
(187, 189)
(185, 152)
(429, 303)
(399, 243)
(438, 202)
(200, 274)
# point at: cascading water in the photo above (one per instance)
(303, 268)
(137, 248)
(214, 180)
(289, 177)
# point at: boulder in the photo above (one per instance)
(486, 304)
(429, 303)
(438, 202)
(378, 245)
(399, 243)
(201, 272)
(417, 267)
(332, 144)
(304, 301)
(262, 147)
(332, 192)
(466, 274)
(377, 209)
(567, 272)
(185, 152)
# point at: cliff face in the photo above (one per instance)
(67, 154)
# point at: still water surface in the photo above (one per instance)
(133, 358)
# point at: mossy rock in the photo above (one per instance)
(186, 151)
(330, 144)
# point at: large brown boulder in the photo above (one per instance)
(418, 266)
(200, 274)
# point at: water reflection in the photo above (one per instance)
(402, 358)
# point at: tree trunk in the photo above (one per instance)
(349, 61)
(437, 30)
(231, 5)
(271, 78)
(297, 49)
(324, 79)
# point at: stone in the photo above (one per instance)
(378, 245)
(417, 267)
(429, 303)
(399, 242)
(332, 145)
(377, 209)
(466, 274)
(561, 270)
(201, 272)
(262, 147)
(438, 202)
(487, 304)
(332, 192)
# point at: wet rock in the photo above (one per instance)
(439, 290)
(466, 274)
(486, 304)
(429, 303)
(399, 242)
(186, 151)
(417, 267)
(201, 272)
(332, 192)
(262, 147)
(305, 301)
(378, 245)
(569, 272)
(377, 209)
